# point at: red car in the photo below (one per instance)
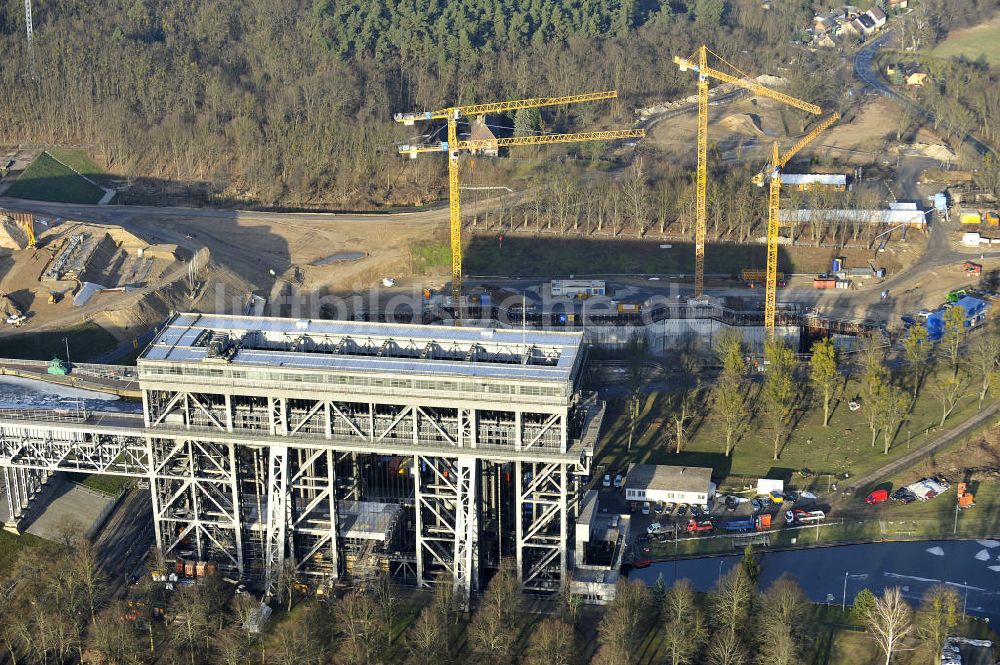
(642, 563)
(878, 496)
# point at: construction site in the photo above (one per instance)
(126, 268)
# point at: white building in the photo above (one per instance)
(912, 218)
(679, 484)
(806, 181)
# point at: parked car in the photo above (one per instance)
(789, 517)
(757, 505)
(606, 482)
(695, 511)
(878, 496)
(901, 494)
(645, 507)
(669, 508)
(618, 481)
(682, 511)
(731, 503)
(658, 507)
(791, 496)
(615, 519)
(655, 527)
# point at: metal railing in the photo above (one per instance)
(58, 415)
(123, 373)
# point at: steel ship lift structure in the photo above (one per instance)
(341, 448)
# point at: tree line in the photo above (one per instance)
(291, 103)
(64, 609)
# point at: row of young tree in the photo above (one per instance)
(963, 364)
(657, 199)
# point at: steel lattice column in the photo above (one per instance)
(277, 515)
(541, 504)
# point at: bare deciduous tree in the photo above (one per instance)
(684, 628)
(890, 621)
(553, 642)
(937, 615)
(619, 628)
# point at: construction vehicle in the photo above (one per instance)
(54, 297)
(809, 517)
(11, 311)
(704, 526)
(454, 147)
(973, 269)
(965, 498)
(699, 63)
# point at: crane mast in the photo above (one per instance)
(454, 148)
(699, 63)
(773, 174)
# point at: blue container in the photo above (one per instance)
(838, 265)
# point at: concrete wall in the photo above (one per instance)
(662, 336)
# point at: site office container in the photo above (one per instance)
(969, 216)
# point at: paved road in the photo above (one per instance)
(126, 538)
(972, 567)
(862, 483)
(863, 70)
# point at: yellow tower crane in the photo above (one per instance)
(454, 147)
(699, 63)
(773, 174)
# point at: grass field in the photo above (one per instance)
(982, 40)
(86, 342)
(553, 257)
(48, 180)
(78, 159)
(11, 547)
(844, 446)
(110, 485)
(430, 255)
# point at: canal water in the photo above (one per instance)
(836, 574)
(19, 393)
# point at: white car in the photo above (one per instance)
(645, 507)
(607, 480)
(654, 528)
(618, 481)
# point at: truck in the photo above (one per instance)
(810, 517)
(704, 526)
(758, 523)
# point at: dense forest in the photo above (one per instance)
(290, 103)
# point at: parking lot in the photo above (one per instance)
(724, 515)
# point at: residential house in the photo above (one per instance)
(877, 16)
(480, 131)
(910, 73)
